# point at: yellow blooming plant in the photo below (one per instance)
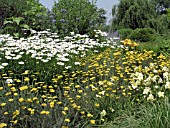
(86, 94)
(2, 125)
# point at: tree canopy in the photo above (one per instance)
(78, 16)
(133, 13)
(139, 14)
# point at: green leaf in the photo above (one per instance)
(6, 22)
(9, 27)
(16, 34)
(18, 19)
(25, 26)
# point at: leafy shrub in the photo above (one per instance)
(13, 7)
(143, 35)
(160, 24)
(34, 14)
(160, 45)
(15, 26)
(124, 33)
(165, 47)
(149, 46)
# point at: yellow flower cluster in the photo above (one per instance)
(129, 43)
(2, 125)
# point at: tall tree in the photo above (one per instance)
(77, 15)
(133, 13)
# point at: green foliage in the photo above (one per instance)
(133, 13)
(168, 13)
(155, 115)
(34, 14)
(149, 46)
(106, 28)
(15, 26)
(122, 9)
(124, 33)
(165, 47)
(132, 16)
(77, 16)
(140, 14)
(143, 35)
(160, 24)
(160, 45)
(13, 7)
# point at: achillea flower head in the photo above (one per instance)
(2, 125)
(23, 88)
(92, 121)
(44, 112)
(21, 99)
(2, 104)
(89, 115)
(67, 120)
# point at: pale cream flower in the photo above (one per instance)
(103, 113)
(150, 97)
(160, 94)
(167, 85)
(146, 90)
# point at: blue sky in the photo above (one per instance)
(105, 4)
